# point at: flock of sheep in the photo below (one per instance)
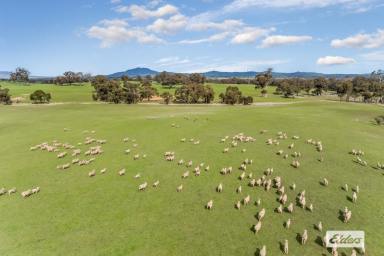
(266, 181)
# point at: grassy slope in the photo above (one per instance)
(105, 215)
(84, 93)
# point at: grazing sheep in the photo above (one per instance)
(179, 188)
(288, 223)
(246, 200)
(26, 193)
(242, 176)
(102, 171)
(92, 173)
(357, 189)
(257, 227)
(61, 155)
(295, 163)
(310, 208)
(201, 165)
(181, 162)
(189, 164)
(250, 175)
(143, 186)
(320, 226)
(127, 151)
(291, 146)
(137, 176)
(35, 190)
(286, 246)
(252, 183)
(279, 209)
(302, 202)
(285, 156)
(261, 214)
(258, 202)
(238, 205)
(155, 184)
(207, 168)
(185, 175)
(196, 142)
(325, 182)
(347, 216)
(219, 188)
(135, 145)
(209, 205)
(304, 237)
(263, 251)
(281, 190)
(290, 208)
(280, 152)
(284, 199)
(295, 137)
(346, 187)
(183, 140)
(354, 197)
(122, 172)
(11, 191)
(135, 157)
(238, 190)
(243, 150)
(2, 191)
(225, 150)
(293, 187)
(354, 253)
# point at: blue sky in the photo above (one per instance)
(105, 36)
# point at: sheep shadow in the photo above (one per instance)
(257, 252)
(349, 199)
(319, 241)
(298, 238)
(281, 246)
(341, 216)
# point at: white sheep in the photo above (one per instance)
(238, 190)
(137, 176)
(156, 183)
(11, 191)
(122, 172)
(263, 251)
(288, 223)
(279, 209)
(143, 186)
(179, 188)
(304, 237)
(185, 175)
(286, 246)
(35, 190)
(257, 227)
(290, 208)
(102, 171)
(261, 214)
(207, 168)
(246, 200)
(219, 188)
(209, 204)
(320, 226)
(26, 193)
(325, 182)
(92, 173)
(238, 205)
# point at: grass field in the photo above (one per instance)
(83, 93)
(106, 215)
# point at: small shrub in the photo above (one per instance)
(379, 120)
(39, 97)
(5, 98)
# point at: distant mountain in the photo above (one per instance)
(248, 74)
(134, 72)
(4, 74)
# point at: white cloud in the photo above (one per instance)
(275, 40)
(115, 1)
(170, 61)
(225, 25)
(243, 4)
(374, 56)
(214, 38)
(374, 40)
(115, 31)
(167, 26)
(239, 66)
(334, 60)
(142, 12)
(250, 35)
